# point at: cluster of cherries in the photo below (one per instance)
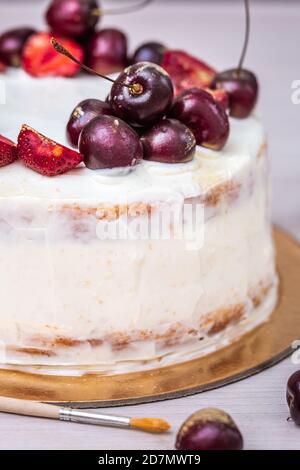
(162, 105)
(141, 119)
(73, 23)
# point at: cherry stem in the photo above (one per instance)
(122, 10)
(247, 34)
(135, 88)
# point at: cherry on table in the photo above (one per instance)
(149, 52)
(11, 45)
(142, 94)
(242, 88)
(106, 51)
(84, 112)
(72, 18)
(293, 396)
(108, 142)
(206, 118)
(169, 141)
(209, 429)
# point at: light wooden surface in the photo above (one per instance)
(212, 30)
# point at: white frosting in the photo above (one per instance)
(58, 280)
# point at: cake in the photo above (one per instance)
(135, 230)
(75, 297)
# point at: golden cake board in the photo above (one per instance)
(261, 348)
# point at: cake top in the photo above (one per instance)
(149, 180)
(165, 126)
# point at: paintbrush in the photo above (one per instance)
(44, 410)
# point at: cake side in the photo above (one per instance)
(102, 302)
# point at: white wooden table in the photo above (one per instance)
(212, 30)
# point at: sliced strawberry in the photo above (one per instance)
(221, 96)
(2, 67)
(8, 151)
(40, 59)
(187, 71)
(44, 155)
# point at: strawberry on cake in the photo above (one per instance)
(83, 286)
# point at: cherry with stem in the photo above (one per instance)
(241, 84)
(141, 95)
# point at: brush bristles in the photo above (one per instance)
(155, 425)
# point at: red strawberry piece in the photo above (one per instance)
(187, 71)
(221, 96)
(2, 67)
(40, 59)
(8, 151)
(44, 155)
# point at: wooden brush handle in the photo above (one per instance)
(28, 408)
(42, 410)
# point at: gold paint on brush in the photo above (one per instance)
(155, 425)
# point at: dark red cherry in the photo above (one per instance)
(242, 88)
(240, 84)
(209, 429)
(106, 51)
(141, 95)
(293, 396)
(72, 18)
(11, 45)
(146, 98)
(149, 52)
(169, 141)
(108, 142)
(206, 118)
(84, 112)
